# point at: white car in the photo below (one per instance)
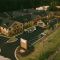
(31, 29)
(43, 34)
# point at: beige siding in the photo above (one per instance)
(4, 30)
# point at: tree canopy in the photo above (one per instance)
(6, 5)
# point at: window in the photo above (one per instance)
(9, 28)
(17, 26)
(40, 24)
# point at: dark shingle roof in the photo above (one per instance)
(6, 23)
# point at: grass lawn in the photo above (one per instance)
(45, 48)
(57, 56)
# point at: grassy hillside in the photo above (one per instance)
(51, 44)
(45, 48)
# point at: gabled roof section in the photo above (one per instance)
(15, 23)
(6, 23)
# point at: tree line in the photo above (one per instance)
(6, 5)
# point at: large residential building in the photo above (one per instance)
(9, 27)
(12, 27)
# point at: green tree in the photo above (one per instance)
(52, 5)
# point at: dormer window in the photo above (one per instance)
(17, 26)
(9, 28)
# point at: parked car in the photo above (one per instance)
(31, 29)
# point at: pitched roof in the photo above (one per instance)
(6, 23)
